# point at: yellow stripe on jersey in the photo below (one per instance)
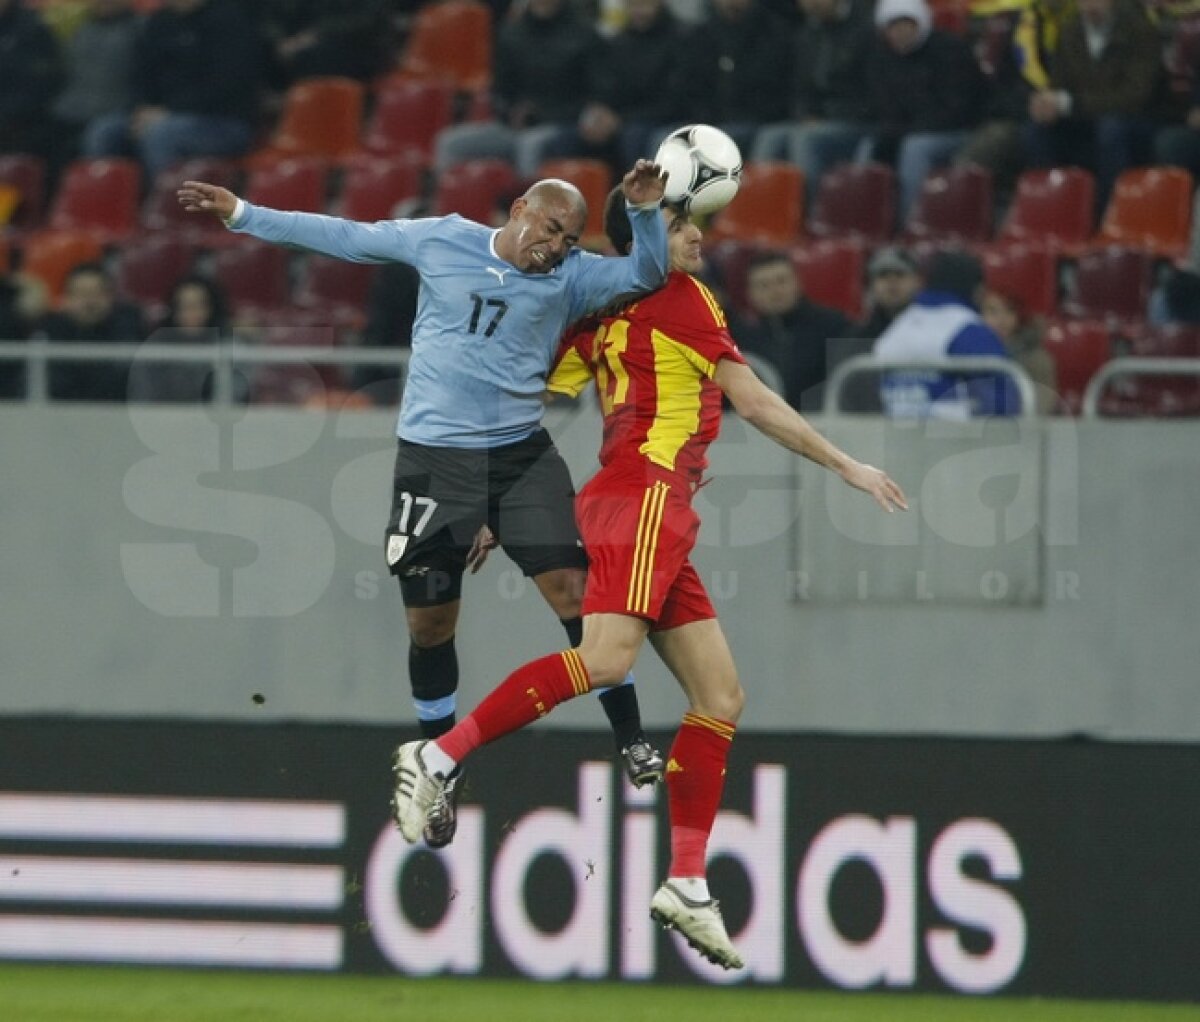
(677, 407)
(713, 724)
(654, 501)
(580, 681)
(571, 375)
(718, 314)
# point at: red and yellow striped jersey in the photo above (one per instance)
(653, 364)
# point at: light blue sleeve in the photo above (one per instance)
(388, 241)
(601, 280)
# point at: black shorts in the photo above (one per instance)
(442, 495)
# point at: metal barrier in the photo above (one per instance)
(1133, 367)
(957, 366)
(222, 356)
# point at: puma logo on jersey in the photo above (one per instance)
(500, 274)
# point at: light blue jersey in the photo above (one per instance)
(485, 332)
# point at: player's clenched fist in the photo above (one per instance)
(199, 197)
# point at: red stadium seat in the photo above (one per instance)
(1110, 283)
(1150, 209)
(321, 117)
(51, 255)
(1079, 348)
(768, 208)
(254, 276)
(409, 113)
(294, 184)
(728, 261)
(451, 41)
(954, 205)
(1028, 272)
(337, 288)
(28, 175)
(148, 268)
(373, 186)
(474, 189)
(298, 383)
(832, 274)
(1054, 207)
(594, 179)
(100, 196)
(1157, 396)
(855, 200)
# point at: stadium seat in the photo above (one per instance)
(373, 186)
(337, 288)
(1150, 209)
(254, 276)
(1110, 283)
(451, 41)
(855, 200)
(1052, 206)
(5, 255)
(293, 184)
(28, 175)
(162, 211)
(594, 179)
(473, 189)
(1079, 348)
(1028, 272)
(408, 115)
(832, 273)
(768, 208)
(321, 117)
(728, 261)
(1156, 396)
(100, 196)
(51, 255)
(149, 267)
(954, 205)
(952, 16)
(297, 383)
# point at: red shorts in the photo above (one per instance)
(639, 533)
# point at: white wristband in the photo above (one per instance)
(236, 215)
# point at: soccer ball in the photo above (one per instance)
(704, 168)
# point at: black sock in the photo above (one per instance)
(621, 704)
(573, 626)
(433, 673)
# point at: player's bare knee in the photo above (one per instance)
(724, 702)
(607, 667)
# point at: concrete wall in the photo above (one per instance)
(171, 562)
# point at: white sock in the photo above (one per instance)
(692, 888)
(436, 761)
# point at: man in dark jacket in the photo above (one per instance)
(788, 330)
(831, 106)
(927, 92)
(196, 76)
(29, 76)
(1104, 76)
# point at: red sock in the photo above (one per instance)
(529, 692)
(695, 780)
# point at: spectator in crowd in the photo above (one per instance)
(22, 302)
(196, 76)
(893, 280)
(546, 63)
(1022, 334)
(90, 312)
(98, 62)
(831, 110)
(736, 63)
(942, 322)
(314, 38)
(1097, 109)
(1176, 299)
(789, 330)
(1178, 145)
(30, 75)
(638, 85)
(927, 92)
(196, 314)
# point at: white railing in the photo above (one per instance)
(1133, 366)
(950, 364)
(223, 356)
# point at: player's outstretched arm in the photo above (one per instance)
(771, 415)
(200, 197)
(645, 182)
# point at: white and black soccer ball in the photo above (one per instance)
(704, 168)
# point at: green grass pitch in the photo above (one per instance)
(44, 993)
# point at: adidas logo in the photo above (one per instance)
(673, 766)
